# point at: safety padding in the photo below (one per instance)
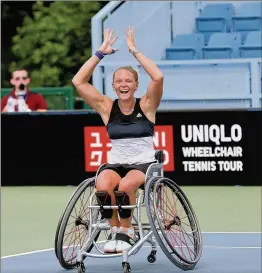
(159, 156)
(104, 199)
(122, 199)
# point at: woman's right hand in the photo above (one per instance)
(106, 47)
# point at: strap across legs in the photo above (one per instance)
(122, 199)
(104, 199)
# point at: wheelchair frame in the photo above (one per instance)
(154, 172)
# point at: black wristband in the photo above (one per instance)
(99, 55)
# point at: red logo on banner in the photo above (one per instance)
(97, 145)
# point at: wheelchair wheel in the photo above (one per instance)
(174, 223)
(61, 217)
(74, 226)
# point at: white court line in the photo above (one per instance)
(222, 247)
(210, 247)
(232, 232)
(27, 253)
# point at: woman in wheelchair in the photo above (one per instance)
(130, 126)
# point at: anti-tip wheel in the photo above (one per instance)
(151, 258)
(126, 267)
(81, 268)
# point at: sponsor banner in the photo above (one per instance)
(201, 147)
(216, 147)
(210, 148)
(97, 146)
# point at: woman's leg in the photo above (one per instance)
(130, 184)
(107, 181)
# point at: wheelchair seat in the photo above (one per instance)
(154, 170)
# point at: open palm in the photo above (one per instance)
(106, 47)
(130, 37)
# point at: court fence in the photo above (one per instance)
(57, 98)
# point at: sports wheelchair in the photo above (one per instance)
(171, 222)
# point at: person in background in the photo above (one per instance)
(21, 99)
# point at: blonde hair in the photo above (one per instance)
(128, 68)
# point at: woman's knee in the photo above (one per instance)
(132, 181)
(127, 185)
(107, 180)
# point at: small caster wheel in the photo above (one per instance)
(126, 267)
(151, 258)
(81, 268)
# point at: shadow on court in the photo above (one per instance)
(222, 253)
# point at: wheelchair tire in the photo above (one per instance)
(87, 186)
(155, 187)
(62, 215)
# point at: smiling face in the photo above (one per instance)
(125, 83)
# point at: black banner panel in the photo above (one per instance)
(200, 147)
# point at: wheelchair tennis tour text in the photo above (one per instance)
(205, 137)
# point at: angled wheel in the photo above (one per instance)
(151, 258)
(174, 223)
(74, 226)
(126, 267)
(62, 215)
(81, 268)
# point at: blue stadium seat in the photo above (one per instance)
(215, 18)
(248, 18)
(253, 46)
(222, 46)
(186, 47)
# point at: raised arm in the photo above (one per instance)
(89, 93)
(155, 88)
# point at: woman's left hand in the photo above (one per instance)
(130, 38)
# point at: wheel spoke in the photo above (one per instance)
(74, 228)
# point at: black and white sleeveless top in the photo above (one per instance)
(131, 136)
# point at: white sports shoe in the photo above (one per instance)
(110, 245)
(126, 238)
